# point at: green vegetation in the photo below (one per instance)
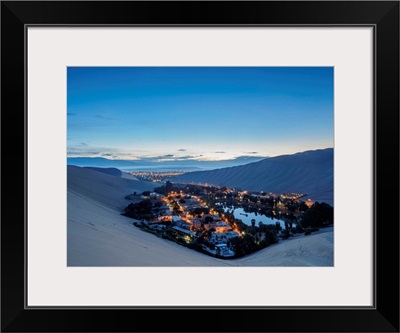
(320, 214)
(139, 211)
(250, 243)
(200, 209)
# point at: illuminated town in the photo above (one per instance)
(154, 176)
(215, 220)
(200, 165)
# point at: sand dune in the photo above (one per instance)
(309, 172)
(108, 171)
(312, 250)
(97, 235)
(128, 176)
(106, 189)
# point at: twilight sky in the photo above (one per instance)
(204, 113)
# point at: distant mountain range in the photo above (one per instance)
(147, 164)
(309, 172)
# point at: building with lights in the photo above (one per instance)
(222, 237)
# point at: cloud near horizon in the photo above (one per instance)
(219, 112)
(83, 150)
(171, 157)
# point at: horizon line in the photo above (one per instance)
(157, 158)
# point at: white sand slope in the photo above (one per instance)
(103, 188)
(128, 176)
(99, 236)
(312, 250)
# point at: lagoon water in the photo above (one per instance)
(247, 217)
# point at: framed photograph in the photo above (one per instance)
(182, 158)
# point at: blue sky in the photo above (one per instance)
(203, 113)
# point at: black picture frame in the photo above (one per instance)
(383, 316)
